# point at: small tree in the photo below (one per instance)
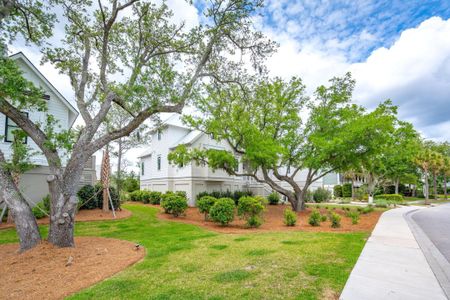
(261, 122)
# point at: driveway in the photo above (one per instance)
(435, 223)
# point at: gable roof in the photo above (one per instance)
(188, 139)
(72, 109)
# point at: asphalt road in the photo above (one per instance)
(435, 223)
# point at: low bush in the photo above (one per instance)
(323, 218)
(315, 218)
(354, 215)
(381, 203)
(222, 211)
(204, 205)
(347, 190)
(309, 197)
(390, 197)
(335, 220)
(174, 204)
(367, 209)
(87, 198)
(273, 198)
(251, 209)
(321, 195)
(155, 197)
(337, 191)
(290, 217)
(236, 195)
(42, 209)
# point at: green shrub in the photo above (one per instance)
(236, 195)
(347, 190)
(309, 196)
(254, 221)
(367, 209)
(174, 204)
(321, 195)
(181, 193)
(251, 208)
(273, 198)
(337, 191)
(112, 192)
(381, 203)
(314, 218)
(335, 220)
(222, 211)
(354, 215)
(323, 218)
(155, 197)
(204, 204)
(87, 198)
(41, 209)
(390, 197)
(290, 217)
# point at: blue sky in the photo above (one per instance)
(353, 27)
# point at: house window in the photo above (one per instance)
(159, 134)
(10, 126)
(142, 168)
(158, 162)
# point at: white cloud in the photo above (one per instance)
(414, 72)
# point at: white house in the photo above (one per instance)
(157, 174)
(33, 183)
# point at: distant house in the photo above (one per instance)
(33, 183)
(158, 174)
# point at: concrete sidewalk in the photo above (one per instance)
(392, 265)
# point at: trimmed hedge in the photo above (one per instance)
(174, 204)
(91, 197)
(337, 190)
(346, 190)
(236, 195)
(390, 197)
(251, 209)
(204, 205)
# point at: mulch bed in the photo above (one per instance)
(44, 272)
(273, 221)
(85, 215)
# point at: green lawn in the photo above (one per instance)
(187, 262)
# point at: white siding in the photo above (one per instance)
(55, 107)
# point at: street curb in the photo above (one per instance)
(438, 263)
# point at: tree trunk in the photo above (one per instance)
(397, 182)
(119, 168)
(426, 191)
(353, 189)
(435, 185)
(445, 187)
(26, 225)
(62, 212)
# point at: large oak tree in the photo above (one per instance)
(129, 54)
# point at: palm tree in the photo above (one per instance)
(436, 166)
(423, 161)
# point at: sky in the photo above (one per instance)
(398, 50)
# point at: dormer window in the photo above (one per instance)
(159, 134)
(10, 127)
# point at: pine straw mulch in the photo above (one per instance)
(273, 221)
(84, 215)
(44, 272)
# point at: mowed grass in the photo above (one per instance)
(187, 262)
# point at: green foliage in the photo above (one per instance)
(90, 197)
(381, 203)
(367, 209)
(222, 211)
(321, 195)
(204, 204)
(236, 195)
(390, 197)
(290, 217)
(251, 209)
(335, 220)
(354, 215)
(323, 218)
(87, 197)
(42, 209)
(155, 197)
(337, 190)
(315, 218)
(174, 204)
(273, 198)
(347, 190)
